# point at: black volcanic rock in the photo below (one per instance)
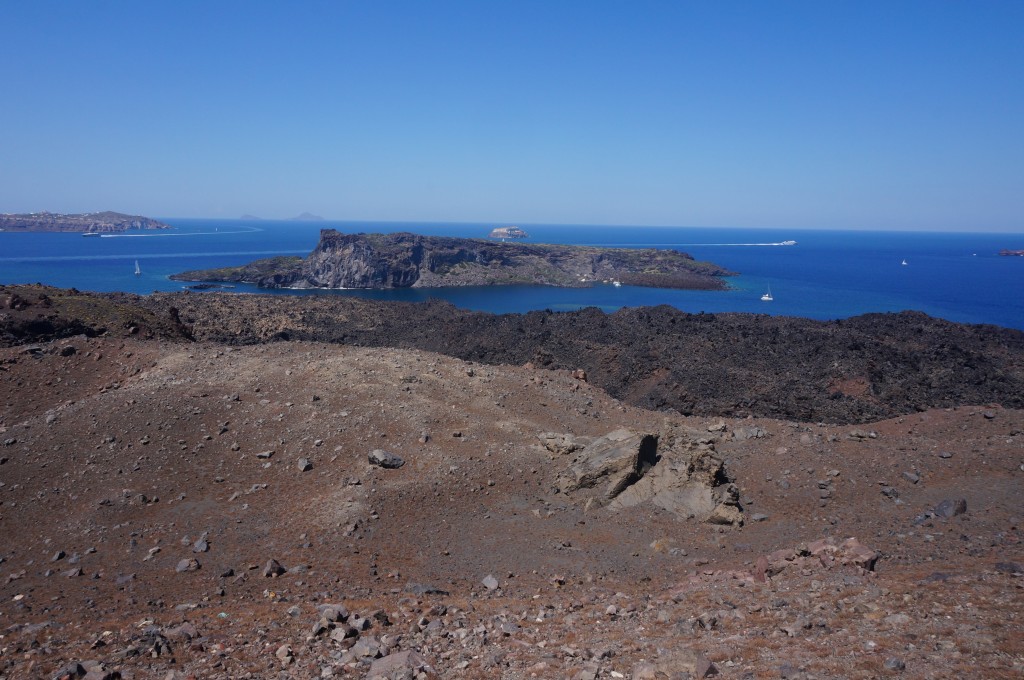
(846, 371)
(406, 260)
(101, 222)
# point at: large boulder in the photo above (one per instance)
(676, 470)
(611, 464)
(689, 480)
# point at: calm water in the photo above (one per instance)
(827, 275)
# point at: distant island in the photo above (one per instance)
(405, 260)
(508, 232)
(1018, 253)
(89, 223)
(249, 217)
(307, 217)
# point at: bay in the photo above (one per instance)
(826, 275)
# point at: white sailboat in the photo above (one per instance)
(767, 297)
(904, 262)
(137, 270)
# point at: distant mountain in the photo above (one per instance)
(249, 217)
(307, 217)
(101, 222)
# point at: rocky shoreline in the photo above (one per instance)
(405, 260)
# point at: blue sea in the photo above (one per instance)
(826, 275)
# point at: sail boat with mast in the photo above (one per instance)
(138, 271)
(767, 297)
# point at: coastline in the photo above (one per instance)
(827, 275)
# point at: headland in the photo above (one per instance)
(89, 223)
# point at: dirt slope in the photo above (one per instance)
(123, 459)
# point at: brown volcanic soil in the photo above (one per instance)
(111, 447)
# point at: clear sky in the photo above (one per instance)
(884, 115)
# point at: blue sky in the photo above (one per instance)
(878, 115)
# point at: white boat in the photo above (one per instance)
(767, 297)
(616, 283)
(904, 262)
(137, 270)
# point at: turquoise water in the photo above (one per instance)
(826, 275)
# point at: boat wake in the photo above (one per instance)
(691, 245)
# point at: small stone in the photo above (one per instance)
(408, 662)
(950, 508)
(188, 564)
(945, 454)
(894, 664)
(385, 459)
(490, 582)
(758, 517)
(273, 569)
(912, 477)
(264, 454)
(304, 465)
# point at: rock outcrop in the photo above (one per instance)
(676, 470)
(406, 260)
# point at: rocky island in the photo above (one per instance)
(1012, 253)
(106, 222)
(404, 260)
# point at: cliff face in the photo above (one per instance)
(102, 222)
(410, 260)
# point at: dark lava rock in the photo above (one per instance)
(1009, 568)
(855, 370)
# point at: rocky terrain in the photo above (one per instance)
(174, 505)
(406, 260)
(99, 223)
(850, 371)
